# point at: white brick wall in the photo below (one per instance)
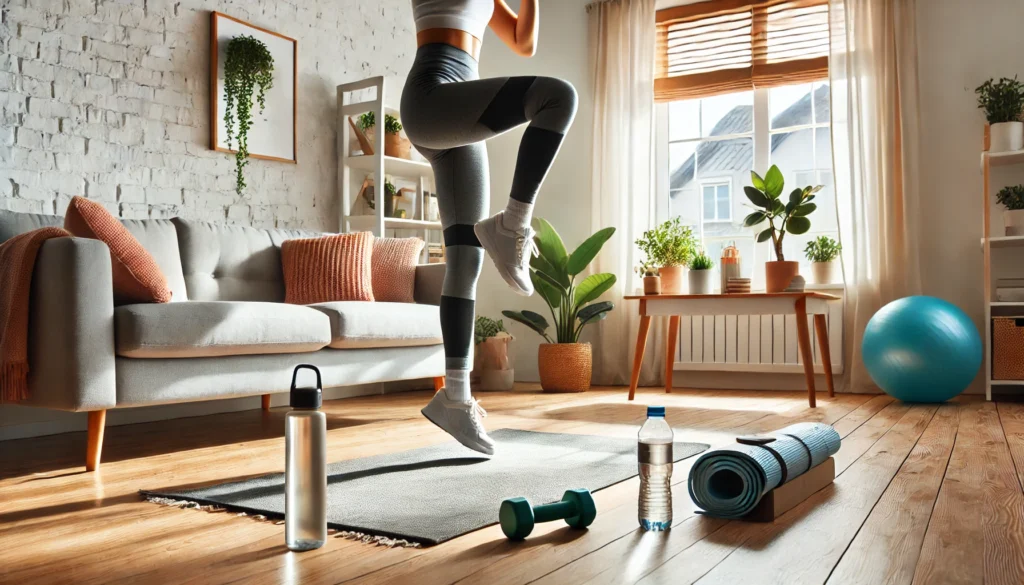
(109, 99)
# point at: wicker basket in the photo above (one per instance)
(565, 367)
(1008, 348)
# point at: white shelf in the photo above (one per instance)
(1005, 242)
(366, 223)
(1007, 383)
(400, 167)
(999, 159)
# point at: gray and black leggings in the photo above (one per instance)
(448, 112)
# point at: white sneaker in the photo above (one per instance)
(510, 251)
(461, 420)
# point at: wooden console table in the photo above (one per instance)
(799, 304)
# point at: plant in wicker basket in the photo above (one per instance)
(565, 364)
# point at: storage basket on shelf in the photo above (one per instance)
(1008, 348)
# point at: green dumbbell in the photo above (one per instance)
(517, 516)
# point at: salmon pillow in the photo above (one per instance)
(137, 277)
(394, 268)
(326, 269)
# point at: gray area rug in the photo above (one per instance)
(434, 494)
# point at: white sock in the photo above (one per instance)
(517, 215)
(456, 385)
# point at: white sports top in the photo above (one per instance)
(471, 16)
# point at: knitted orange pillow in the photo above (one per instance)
(331, 268)
(137, 277)
(394, 268)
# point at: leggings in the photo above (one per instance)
(448, 112)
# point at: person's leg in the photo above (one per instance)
(461, 177)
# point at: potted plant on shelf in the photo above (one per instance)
(394, 144)
(652, 281)
(248, 68)
(700, 273)
(1003, 101)
(822, 252)
(669, 246)
(1012, 198)
(789, 217)
(492, 364)
(565, 363)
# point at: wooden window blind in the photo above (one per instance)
(722, 46)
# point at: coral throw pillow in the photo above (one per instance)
(331, 268)
(137, 277)
(394, 268)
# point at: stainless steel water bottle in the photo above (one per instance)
(305, 478)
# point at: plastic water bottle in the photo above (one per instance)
(654, 447)
(305, 478)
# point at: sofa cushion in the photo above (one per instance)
(13, 223)
(394, 269)
(358, 324)
(205, 329)
(137, 276)
(160, 239)
(328, 268)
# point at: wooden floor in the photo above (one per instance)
(925, 495)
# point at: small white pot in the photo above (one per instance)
(1006, 136)
(823, 272)
(700, 282)
(671, 279)
(1013, 219)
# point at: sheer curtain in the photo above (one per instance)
(622, 41)
(873, 71)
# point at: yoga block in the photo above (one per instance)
(786, 497)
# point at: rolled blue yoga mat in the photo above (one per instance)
(729, 482)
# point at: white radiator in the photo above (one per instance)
(755, 343)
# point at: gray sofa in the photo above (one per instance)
(227, 332)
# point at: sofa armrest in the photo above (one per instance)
(71, 327)
(429, 279)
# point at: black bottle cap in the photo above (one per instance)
(306, 397)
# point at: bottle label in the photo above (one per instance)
(655, 453)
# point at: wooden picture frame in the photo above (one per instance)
(265, 141)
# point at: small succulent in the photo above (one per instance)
(701, 261)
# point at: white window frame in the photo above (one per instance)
(716, 182)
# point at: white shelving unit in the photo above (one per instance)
(990, 242)
(378, 165)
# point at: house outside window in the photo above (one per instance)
(716, 200)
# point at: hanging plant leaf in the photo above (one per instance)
(248, 69)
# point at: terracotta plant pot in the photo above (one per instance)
(652, 285)
(565, 367)
(779, 274)
(396, 146)
(700, 282)
(823, 272)
(671, 279)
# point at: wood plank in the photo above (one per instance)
(975, 533)
(886, 548)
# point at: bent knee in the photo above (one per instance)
(560, 101)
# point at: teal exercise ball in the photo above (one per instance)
(921, 349)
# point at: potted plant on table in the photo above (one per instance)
(789, 217)
(700, 274)
(394, 144)
(822, 252)
(1012, 198)
(492, 364)
(248, 68)
(669, 246)
(1003, 101)
(652, 281)
(564, 363)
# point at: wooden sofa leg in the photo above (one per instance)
(97, 423)
(438, 383)
(266, 402)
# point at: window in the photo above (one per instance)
(708, 146)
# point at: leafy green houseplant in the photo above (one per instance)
(248, 69)
(485, 328)
(700, 273)
(652, 279)
(783, 217)
(1012, 198)
(564, 363)
(1003, 102)
(394, 144)
(669, 246)
(822, 252)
